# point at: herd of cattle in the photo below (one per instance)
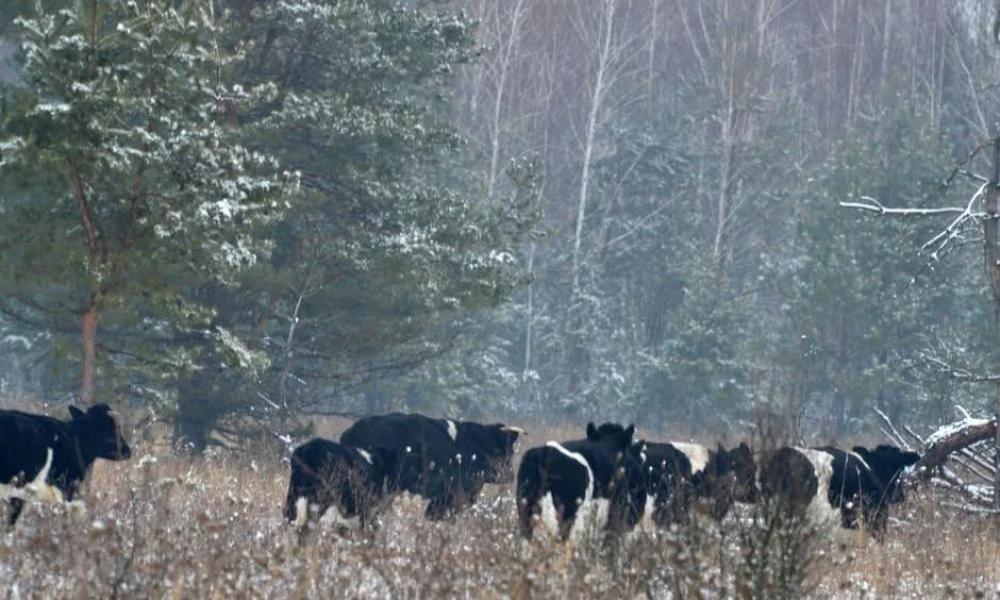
(607, 477)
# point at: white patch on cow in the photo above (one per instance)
(589, 512)
(333, 516)
(591, 520)
(646, 523)
(301, 511)
(39, 488)
(365, 455)
(696, 453)
(458, 457)
(819, 510)
(547, 514)
(452, 429)
(36, 489)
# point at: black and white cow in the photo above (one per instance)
(343, 485)
(680, 474)
(455, 458)
(30, 443)
(597, 481)
(835, 486)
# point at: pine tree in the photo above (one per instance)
(136, 189)
(393, 239)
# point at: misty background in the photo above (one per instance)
(499, 209)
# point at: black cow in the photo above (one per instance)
(679, 474)
(455, 458)
(579, 475)
(342, 484)
(27, 440)
(853, 488)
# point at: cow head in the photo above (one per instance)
(495, 446)
(888, 462)
(612, 434)
(744, 469)
(729, 476)
(99, 433)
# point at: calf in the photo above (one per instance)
(680, 474)
(341, 484)
(600, 476)
(455, 458)
(30, 443)
(831, 485)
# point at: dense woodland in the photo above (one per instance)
(239, 214)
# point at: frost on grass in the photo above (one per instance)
(214, 528)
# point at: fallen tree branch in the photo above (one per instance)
(955, 437)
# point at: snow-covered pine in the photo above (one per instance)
(135, 112)
(393, 238)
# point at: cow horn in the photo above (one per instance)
(517, 430)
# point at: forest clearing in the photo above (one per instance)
(168, 527)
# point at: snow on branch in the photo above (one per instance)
(958, 456)
(937, 243)
(873, 205)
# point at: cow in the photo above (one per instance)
(341, 484)
(455, 458)
(832, 486)
(680, 474)
(597, 480)
(30, 443)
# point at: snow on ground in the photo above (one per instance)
(217, 531)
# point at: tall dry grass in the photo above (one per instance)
(212, 528)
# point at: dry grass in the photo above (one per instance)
(176, 528)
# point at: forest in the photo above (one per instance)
(234, 216)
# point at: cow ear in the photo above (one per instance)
(629, 432)
(910, 458)
(591, 431)
(75, 412)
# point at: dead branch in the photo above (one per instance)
(952, 439)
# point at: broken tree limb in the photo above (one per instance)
(957, 436)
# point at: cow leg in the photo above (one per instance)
(16, 506)
(439, 508)
(527, 509)
(566, 511)
(877, 520)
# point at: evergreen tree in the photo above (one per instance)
(391, 242)
(133, 189)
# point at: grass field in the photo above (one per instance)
(176, 528)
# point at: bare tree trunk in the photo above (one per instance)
(530, 313)
(605, 34)
(88, 338)
(91, 314)
(991, 254)
(996, 453)
(288, 355)
(508, 46)
(886, 44)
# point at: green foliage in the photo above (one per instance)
(389, 245)
(129, 189)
